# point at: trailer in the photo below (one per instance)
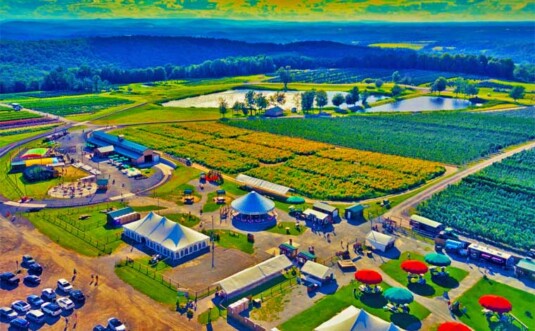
(490, 255)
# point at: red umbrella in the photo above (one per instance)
(369, 277)
(413, 266)
(453, 326)
(495, 303)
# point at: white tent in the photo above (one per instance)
(316, 270)
(255, 275)
(354, 319)
(316, 214)
(166, 237)
(380, 240)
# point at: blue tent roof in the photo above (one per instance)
(253, 204)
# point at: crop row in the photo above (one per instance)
(443, 137)
(26, 122)
(73, 105)
(6, 116)
(215, 129)
(295, 145)
(261, 153)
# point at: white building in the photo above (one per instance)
(166, 237)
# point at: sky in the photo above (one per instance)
(281, 10)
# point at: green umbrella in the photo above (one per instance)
(439, 260)
(398, 295)
(295, 199)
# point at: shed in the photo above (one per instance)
(315, 215)
(380, 240)
(288, 249)
(354, 213)
(303, 257)
(525, 267)
(121, 216)
(104, 150)
(425, 224)
(317, 272)
(102, 184)
(326, 208)
(274, 112)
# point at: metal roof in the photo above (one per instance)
(322, 206)
(526, 264)
(115, 141)
(426, 221)
(355, 208)
(262, 184)
(120, 212)
(316, 270)
(318, 214)
(105, 149)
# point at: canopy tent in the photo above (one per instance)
(316, 270)
(295, 199)
(165, 236)
(35, 153)
(370, 277)
(398, 295)
(253, 204)
(380, 240)
(354, 319)
(414, 267)
(495, 303)
(262, 184)
(439, 260)
(453, 326)
(254, 275)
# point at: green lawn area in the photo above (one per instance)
(233, 189)
(174, 188)
(184, 219)
(147, 208)
(89, 237)
(523, 307)
(286, 206)
(231, 239)
(210, 205)
(280, 228)
(330, 305)
(432, 288)
(30, 132)
(211, 315)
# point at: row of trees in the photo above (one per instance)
(253, 103)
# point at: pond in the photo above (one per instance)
(231, 96)
(422, 103)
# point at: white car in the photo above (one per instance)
(65, 303)
(36, 316)
(51, 308)
(64, 285)
(48, 294)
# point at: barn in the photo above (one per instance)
(106, 143)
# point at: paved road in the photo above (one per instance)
(401, 210)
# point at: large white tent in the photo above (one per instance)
(316, 270)
(255, 275)
(166, 237)
(354, 319)
(380, 240)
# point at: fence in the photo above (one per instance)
(277, 289)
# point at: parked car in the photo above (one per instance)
(115, 324)
(27, 260)
(8, 313)
(99, 327)
(32, 279)
(35, 316)
(35, 300)
(65, 303)
(77, 296)
(19, 323)
(48, 294)
(51, 309)
(21, 306)
(64, 285)
(35, 268)
(9, 278)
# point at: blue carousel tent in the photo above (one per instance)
(253, 204)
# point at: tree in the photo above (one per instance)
(261, 101)
(223, 107)
(355, 95)
(239, 106)
(338, 99)
(279, 98)
(396, 77)
(471, 89)
(307, 100)
(250, 100)
(379, 83)
(349, 100)
(439, 85)
(365, 96)
(285, 76)
(396, 91)
(459, 86)
(517, 92)
(321, 99)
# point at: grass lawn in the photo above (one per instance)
(211, 315)
(433, 287)
(210, 205)
(523, 307)
(330, 305)
(270, 309)
(286, 206)
(231, 239)
(173, 190)
(147, 208)
(280, 228)
(184, 219)
(233, 189)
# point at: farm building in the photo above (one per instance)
(355, 213)
(138, 154)
(166, 237)
(274, 112)
(426, 225)
(254, 276)
(355, 319)
(525, 267)
(326, 209)
(316, 216)
(122, 216)
(316, 273)
(288, 249)
(380, 240)
(104, 151)
(303, 257)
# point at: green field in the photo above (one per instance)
(184, 219)
(330, 305)
(8, 114)
(522, 302)
(232, 239)
(280, 228)
(10, 136)
(433, 287)
(413, 46)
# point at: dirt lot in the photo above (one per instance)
(198, 274)
(110, 298)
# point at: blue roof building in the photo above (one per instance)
(253, 204)
(138, 154)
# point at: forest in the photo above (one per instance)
(91, 64)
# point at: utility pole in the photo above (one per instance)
(213, 243)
